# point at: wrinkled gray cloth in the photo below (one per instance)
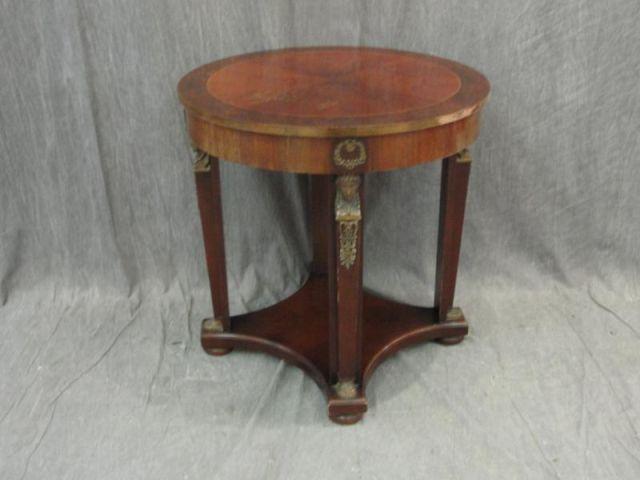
(102, 275)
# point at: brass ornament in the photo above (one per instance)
(348, 216)
(463, 157)
(350, 153)
(348, 240)
(346, 390)
(202, 162)
(454, 315)
(213, 325)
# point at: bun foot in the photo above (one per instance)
(448, 341)
(218, 352)
(347, 419)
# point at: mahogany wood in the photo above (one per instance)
(210, 206)
(332, 298)
(348, 324)
(453, 195)
(292, 110)
(321, 212)
(333, 92)
(296, 331)
(348, 292)
(313, 155)
(283, 110)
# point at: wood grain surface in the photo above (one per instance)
(333, 92)
(286, 110)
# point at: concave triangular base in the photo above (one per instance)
(297, 330)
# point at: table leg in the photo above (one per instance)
(207, 173)
(453, 194)
(346, 399)
(333, 343)
(321, 215)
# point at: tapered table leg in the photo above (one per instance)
(346, 399)
(321, 215)
(453, 194)
(207, 173)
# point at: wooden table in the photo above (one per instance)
(335, 114)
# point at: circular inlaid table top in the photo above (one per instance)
(333, 92)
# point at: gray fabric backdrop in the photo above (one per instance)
(103, 284)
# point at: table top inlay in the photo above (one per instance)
(333, 92)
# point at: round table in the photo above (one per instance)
(335, 114)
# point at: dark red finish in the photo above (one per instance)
(210, 206)
(296, 331)
(329, 328)
(282, 110)
(320, 212)
(349, 307)
(289, 111)
(333, 91)
(453, 195)
(332, 298)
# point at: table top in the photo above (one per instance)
(333, 92)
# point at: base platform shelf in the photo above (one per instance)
(297, 330)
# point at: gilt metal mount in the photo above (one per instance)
(346, 390)
(348, 216)
(454, 315)
(213, 325)
(463, 156)
(350, 153)
(201, 162)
